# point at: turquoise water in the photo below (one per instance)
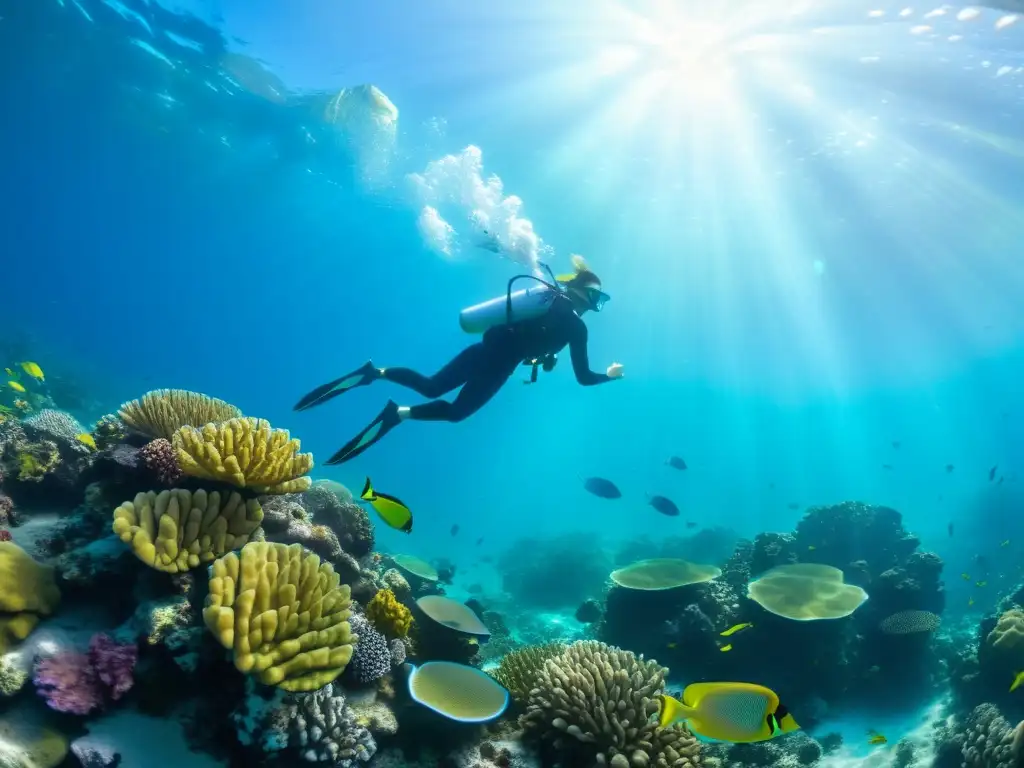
(806, 216)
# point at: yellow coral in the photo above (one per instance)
(37, 460)
(283, 613)
(177, 530)
(1008, 634)
(162, 412)
(388, 615)
(246, 453)
(29, 590)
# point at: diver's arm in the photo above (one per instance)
(581, 359)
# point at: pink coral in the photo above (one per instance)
(158, 456)
(6, 509)
(78, 683)
(114, 663)
(68, 683)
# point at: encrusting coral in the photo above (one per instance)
(162, 412)
(388, 615)
(244, 452)
(518, 669)
(178, 530)
(29, 591)
(283, 613)
(605, 698)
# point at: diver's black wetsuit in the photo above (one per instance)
(483, 368)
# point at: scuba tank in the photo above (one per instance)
(512, 307)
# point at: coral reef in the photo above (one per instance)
(162, 412)
(316, 727)
(605, 698)
(179, 530)
(388, 615)
(349, 521)
(847, 660)
(283, 613)
(246, 453)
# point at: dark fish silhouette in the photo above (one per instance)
(896, 444)
(950, 529)
(690, 524)
(992, 473)
(676, 463)
(602, 488)
(793, 505)
(480, 541)
(455, 529)
(664, 505)
(949, 468)
(887, 466)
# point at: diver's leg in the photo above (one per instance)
(474, 395)
(454, 374)
(366, 374)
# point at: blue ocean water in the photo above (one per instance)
(806, 218)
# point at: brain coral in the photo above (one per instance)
(605, 698)
(283, 613)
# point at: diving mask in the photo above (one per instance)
(597, 298)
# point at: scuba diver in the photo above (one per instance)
(527, 327)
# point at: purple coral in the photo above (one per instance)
(159, 457)
(114, 663)
(78, 683)
(68, 683)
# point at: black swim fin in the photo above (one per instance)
(366, 374)
(387, 420)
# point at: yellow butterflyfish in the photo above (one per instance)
(733, 712)
(726, 648)
(16, 386)
(86, 439)
(33, 370)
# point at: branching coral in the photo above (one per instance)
(317, 727)
(348, 520)
(990, 741)
(246, 453)
(283, 613)
(518, 670)
(605, 698)
(178, 530)
(162, 412)
(388, 615)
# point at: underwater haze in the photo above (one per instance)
(806, 217)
